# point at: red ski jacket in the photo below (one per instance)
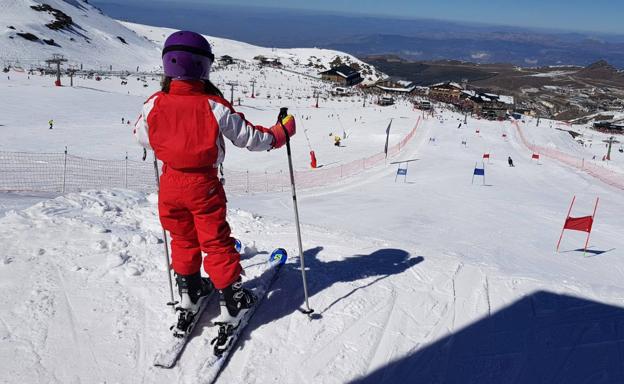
(185, 127)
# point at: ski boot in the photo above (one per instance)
(235, 302)
(193, 290)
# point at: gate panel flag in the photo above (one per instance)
(478, 172)
(486, 155)
(583, 224)
(535, 156)
(387, 137)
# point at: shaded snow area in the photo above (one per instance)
(429, 279)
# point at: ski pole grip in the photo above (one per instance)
(282, 114)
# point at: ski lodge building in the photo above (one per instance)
(488, 105)
(447, 92)
(269, 61)
(399, 86)
(226, 60)
(343, 75)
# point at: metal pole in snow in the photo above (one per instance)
(406, 167)
(64, 169)
(473, 173)
(308, 311)
(589, 233)
(126, 173)
(166, 242)
(563, 229)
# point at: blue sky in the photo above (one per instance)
(581, 15)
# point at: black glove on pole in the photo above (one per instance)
(282, 114)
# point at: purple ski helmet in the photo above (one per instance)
(187, 56)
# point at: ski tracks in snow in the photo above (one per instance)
(81, 339)
(352, 344)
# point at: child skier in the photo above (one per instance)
(185, 124)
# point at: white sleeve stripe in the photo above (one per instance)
(241, 133)
(141, 128)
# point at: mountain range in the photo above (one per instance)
(414, 39)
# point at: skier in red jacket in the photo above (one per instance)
(185, 124)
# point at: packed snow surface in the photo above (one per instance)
(422, 278)
(88, 117)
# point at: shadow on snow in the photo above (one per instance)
(541, 338)
(286, 294)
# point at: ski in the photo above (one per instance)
(170, 353)
(227, 336)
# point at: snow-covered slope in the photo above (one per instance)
(310, 61)
(35, 30)
(590, 144)
(88, 116)
(32, 31)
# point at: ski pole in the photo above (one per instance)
(172, 302)
(283, 113)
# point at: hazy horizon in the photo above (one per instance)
(601, 16)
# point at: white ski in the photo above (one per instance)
(169, 355)
(211, 367)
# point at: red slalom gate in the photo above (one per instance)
(582, 224)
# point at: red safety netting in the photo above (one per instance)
(607, 176)
(62, 172)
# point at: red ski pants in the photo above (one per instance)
(192, 208)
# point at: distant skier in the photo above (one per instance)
(185, 124)
(337, 141)
(51, 123)
(510, 161)
(123, 120)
